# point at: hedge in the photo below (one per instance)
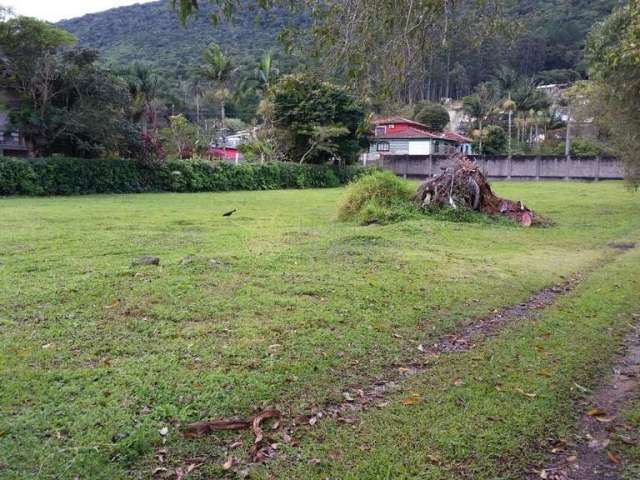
(76, 176)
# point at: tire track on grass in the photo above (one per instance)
(590, 458)
(360, 398)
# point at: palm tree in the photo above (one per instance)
(143, 86)
(506, 79)
(266, 73)
(259, 81)
(218, 69)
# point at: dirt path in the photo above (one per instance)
(591, 458)
(361, 398)
(375, 392)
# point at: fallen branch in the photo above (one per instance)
(261, 449)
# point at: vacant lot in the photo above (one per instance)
(280, 305)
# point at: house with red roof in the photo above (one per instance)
(401, 136)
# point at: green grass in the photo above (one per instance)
(96, 356)
(630, 453)
(494, 412)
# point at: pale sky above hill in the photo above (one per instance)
(54, 10)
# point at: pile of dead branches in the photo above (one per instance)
(462, 185)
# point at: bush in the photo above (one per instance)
(75, 176)
(433, 115)
(494, 141)
(378, 198)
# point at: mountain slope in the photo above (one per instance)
(152, 33)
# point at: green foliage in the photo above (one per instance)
(528, 35)
(614, 59)
(151, 33)
(559, 75)
(26, 38)
(315, 120)
(182, 136)
(381, 197)
(494, 141)
(433, 115)
(65, 102)
(528, 97)
(587, 146)
(483, 103)
(75, 176)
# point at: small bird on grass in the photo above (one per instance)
(228, 214)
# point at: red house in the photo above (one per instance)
(401, 136)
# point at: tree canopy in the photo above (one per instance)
(614, 59)
(68, 104)
(433, 115)
(315, 120)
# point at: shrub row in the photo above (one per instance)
(75, 176)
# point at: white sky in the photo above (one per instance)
(54, 10)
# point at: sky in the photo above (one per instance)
(54, 10)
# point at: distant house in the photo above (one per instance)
(230, 150)
(400, 136)
(227, 154)
(238, 138)
(12, 143)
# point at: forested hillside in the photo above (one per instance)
(555, 31)
(550, 35)
(151, 33)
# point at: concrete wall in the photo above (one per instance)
(525, 167)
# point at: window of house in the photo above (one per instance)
(436, 147)
(380, 131)
(383, 146)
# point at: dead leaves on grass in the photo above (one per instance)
(412, 399)
(600, 415)
(614, 458)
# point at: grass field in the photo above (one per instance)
(281, 305)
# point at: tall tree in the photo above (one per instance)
(387, 50)
(614, 58)
(143, 86)
(314, 121)
(218, 69)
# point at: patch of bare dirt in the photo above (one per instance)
(591, 457)
(622, 246)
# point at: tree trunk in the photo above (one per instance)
(510, 115)
(567, 141)
(222, 125)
